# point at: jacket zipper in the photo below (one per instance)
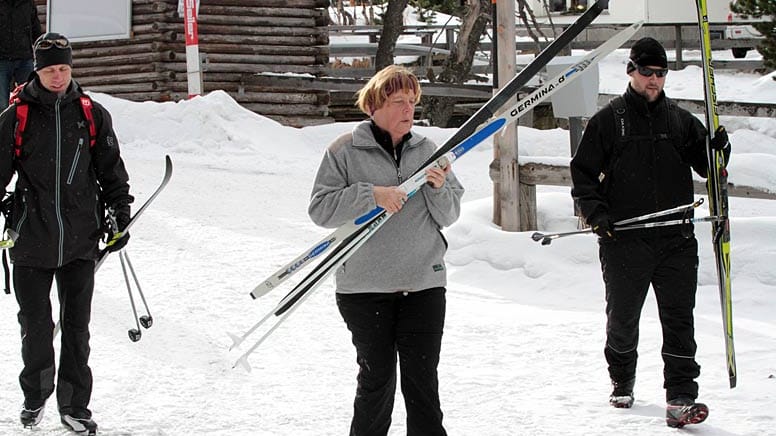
(397, 163)
(57, 184)
(75, 161)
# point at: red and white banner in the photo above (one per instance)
(193, 64)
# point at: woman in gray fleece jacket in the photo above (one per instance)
(391, 293)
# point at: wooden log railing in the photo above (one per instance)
(532, 174)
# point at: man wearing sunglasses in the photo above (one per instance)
(69, 172)
(636, 156)
(19, 27)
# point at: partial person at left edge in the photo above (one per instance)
(19, 28)
(62, 147)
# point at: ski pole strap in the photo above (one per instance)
(7, 272)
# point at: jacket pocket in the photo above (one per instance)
(74, 166)
(23, 215)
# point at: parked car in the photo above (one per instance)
(742, 31)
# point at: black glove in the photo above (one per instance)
(602, 227)
(720, 140)
(118, 218)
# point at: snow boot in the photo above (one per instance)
(81, 423)
(683, 410)
(31, 416)
(622, 394)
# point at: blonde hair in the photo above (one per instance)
(386, 82)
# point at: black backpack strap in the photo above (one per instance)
(620, 120)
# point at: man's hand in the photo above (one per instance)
(117, 241)
(720, 140)
(118, 219)
(602, 227)
(390, 198)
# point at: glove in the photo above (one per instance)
(602, 227)
(720, 140)
(118, 219)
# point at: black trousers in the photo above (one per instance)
(670, 265)
(382, 326)
(75, 284)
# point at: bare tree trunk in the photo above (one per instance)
(347, 19)
(393, 24)
(458, 65)
(524, 11)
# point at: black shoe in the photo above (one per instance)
(683, 410)
(622, 394)
(30, 417)
(80, 423)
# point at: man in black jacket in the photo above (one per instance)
(69, 170)
(636, 157)
(19, 27)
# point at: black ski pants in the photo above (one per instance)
(670, 265)
(75, 285)
(382, 325)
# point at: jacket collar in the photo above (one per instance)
(363, 136)
(641, 104)
(34, 92)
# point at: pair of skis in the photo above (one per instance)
(718, 194)
(346, 240)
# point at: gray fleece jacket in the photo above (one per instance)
(407, 253)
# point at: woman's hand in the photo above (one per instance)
(436, 176)
(390, 198)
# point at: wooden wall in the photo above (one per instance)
(237, 40)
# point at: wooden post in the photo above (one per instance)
(506, 191)
(679, 47)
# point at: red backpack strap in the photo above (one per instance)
(86, 107)
(21, 118)
(22, 109)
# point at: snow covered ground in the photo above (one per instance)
(523, 347)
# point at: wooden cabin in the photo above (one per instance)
(238, 39)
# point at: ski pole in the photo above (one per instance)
(134, 334)
(712, 218)
(546, 239)
(686, 208)
(146, 320)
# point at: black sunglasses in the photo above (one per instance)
(46, 44)
(648, 72)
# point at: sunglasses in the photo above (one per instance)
(48, 43)
(648, 72)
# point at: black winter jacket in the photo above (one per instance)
(19, 28)
(646, 171)
(63, 185)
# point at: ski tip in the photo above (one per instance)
(243, 363)
(236, 340)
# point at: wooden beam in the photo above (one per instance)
(733, 108)
(559, 175)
